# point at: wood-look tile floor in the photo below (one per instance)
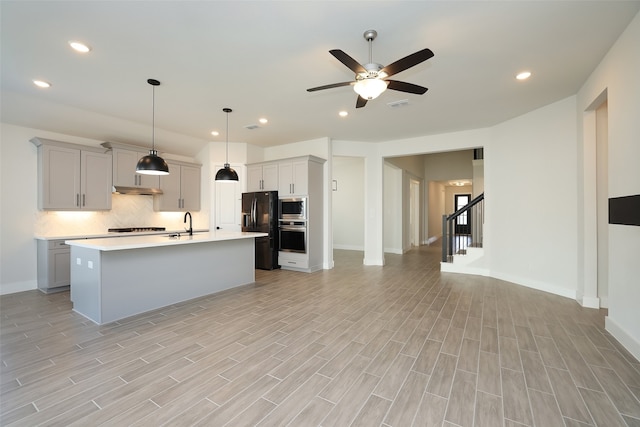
(400, 345)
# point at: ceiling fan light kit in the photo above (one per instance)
(152, 164)
(370, 88)
(371, 78)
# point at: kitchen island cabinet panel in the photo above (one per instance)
(112, 279)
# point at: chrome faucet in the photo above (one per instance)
(190, 230)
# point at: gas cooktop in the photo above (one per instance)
(135, 229)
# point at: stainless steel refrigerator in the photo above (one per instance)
(260, 213)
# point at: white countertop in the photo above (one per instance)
(151, 241)
(111, 234)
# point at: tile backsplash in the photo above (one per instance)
(126, 211)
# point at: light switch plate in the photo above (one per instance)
(78, 261)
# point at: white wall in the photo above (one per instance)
(450, 165)
(617, 76)
(530, 182)
(436, 195)
(348, 203)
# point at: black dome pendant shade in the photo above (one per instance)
(152, 164)
(226, 174)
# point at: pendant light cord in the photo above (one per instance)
(227, 135)
(153, 118)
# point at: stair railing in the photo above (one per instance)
(457, 237)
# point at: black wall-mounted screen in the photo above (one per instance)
(625, 210)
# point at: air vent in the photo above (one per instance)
(398, 104)
(251, 127)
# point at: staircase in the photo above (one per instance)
(462, 239)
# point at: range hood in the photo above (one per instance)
(135, 190)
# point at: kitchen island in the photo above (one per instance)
(112, 279)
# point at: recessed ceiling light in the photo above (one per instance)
(42, 83)
(523, 75)
(79, 47)
(263, 121)
(215, 133)
(343, 114)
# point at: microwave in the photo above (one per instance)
(293, 208)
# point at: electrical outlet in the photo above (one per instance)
(90, 264)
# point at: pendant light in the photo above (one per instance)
(152, 164)
(226, 174)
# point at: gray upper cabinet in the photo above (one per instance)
(180, 189)
(293, 178)
(262, 177)
(124, 170)
(73, 177)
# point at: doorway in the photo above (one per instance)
(463, 225)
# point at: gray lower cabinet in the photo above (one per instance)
(54, 266)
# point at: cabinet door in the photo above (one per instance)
(96, 170)
(60, 180)
(124, 170)
(170, 199)
(60, 267)
(284, 179)
(254, 178)
(190, 188)
(270, 177)
(300, 178)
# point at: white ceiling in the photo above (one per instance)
(259, 57)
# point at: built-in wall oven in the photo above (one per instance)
(293, 224)
(293, 236)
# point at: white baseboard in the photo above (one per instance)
(535, 284)
(450, 267)
(349, 247)
(590, 302)
(623, 337)
(431, 240)
(12, 288)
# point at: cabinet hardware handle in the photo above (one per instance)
(83, 200)
(78, 199)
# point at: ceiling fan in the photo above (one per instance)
(372, 79)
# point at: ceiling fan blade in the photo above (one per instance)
(407, 62)
(406, 87)
(351, 63)
(331, 86)
(360, 102)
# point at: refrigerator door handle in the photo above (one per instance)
(254, 216)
